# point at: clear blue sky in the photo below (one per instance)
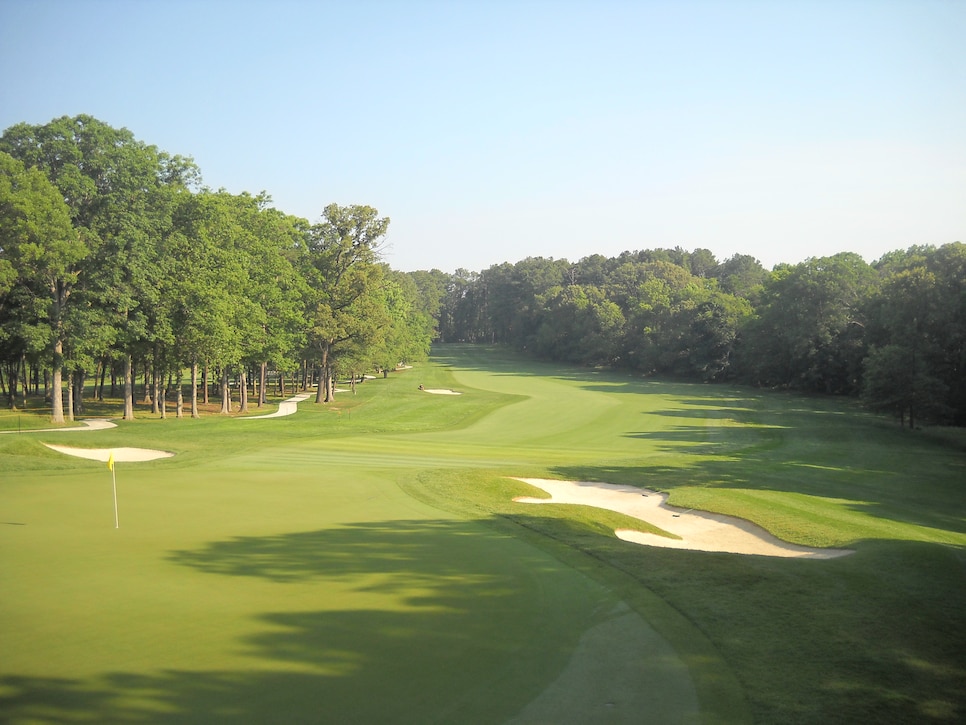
(491, 130)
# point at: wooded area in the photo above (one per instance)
(115, 259)
(892, 332)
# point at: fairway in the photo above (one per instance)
(365, 562)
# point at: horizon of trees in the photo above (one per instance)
(891, 333)
(115, 259)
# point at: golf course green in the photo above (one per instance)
(364, 561)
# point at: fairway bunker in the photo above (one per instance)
(698, 531)
(121, 455)
(440, 391)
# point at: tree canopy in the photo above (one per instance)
(114, 256)
(892, 333)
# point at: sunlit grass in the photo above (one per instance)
(372, 546)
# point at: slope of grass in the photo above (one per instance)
(261, 576)
(877, 636)
(363, 561)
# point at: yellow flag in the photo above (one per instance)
(110, 461)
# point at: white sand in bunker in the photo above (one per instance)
(699, 531)
(440, 391)
(121, 455)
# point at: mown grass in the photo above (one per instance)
(277, 570)
(876, 636)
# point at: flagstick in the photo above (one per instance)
(114, 485)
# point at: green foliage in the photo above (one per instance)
(109, 254)
(813, 326)
(41, 258)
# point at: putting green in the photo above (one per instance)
(296, 581)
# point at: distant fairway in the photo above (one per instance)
(363, 562)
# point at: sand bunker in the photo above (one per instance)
(286, 407)
(440, 391)
(699, 531)
(121, 455)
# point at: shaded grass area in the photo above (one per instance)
(580, 537)
(877, 636)
(245, 598)
(255, 579)
(273, 570)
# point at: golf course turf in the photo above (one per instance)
(365, 562)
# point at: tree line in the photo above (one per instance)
(115, 259)
(892, 333)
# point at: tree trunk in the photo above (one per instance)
(155, 384)
(128, 388)
(24, 379)
(146, 397)
(194, 389)
(320, 390)
(80, 377)
(12, 388)
(70, 396)
(179, 398)
(262, 379)
(56, 391)
(243, 390)
(204, 383)
(100, 389)
(225, 392)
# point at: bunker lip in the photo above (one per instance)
(121, 455)
(440, 391)
(699, 531)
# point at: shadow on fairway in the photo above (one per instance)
(819, 448)
(880, 494)
(402, 622)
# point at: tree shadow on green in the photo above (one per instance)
(463, 625)
(829, 453)
(877, 635)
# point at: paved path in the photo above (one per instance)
(286, 407)
(91, 424)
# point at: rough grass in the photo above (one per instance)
(363, 561)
